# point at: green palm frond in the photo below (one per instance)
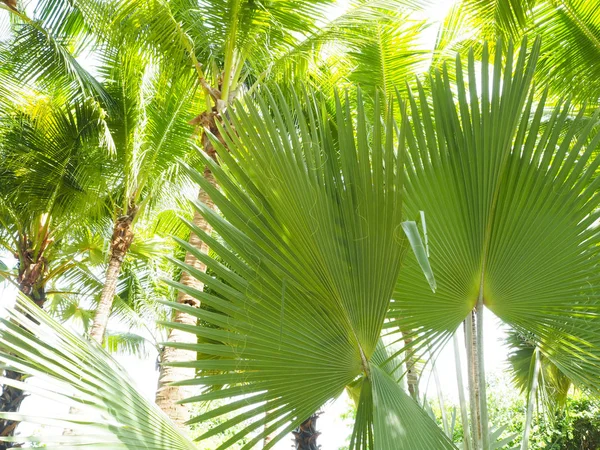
(571, 39)
(127, 343)
(52, 155)
(553, 385)
(314, 235)
(76, 373)
(511, 212)
(499, 17)
(39, 56)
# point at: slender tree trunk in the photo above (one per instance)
(464, 415)
(120, 242)
(477, 383)
(305, 436)
(412, 373)
(473, 367)
(167, 395)
(485, 426)
(440, 395)
(32, 269)
(531, 400)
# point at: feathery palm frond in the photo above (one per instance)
(553, 386)
(76, 373)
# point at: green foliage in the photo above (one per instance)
(511, 212)
(78, 374)
(574, 427)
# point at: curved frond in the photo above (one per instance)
(77, 373)
(314, 235)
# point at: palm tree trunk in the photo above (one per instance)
(473, 367)
(477, 387)
(485, 426)
(32, 269)
(412, 374)
(119, 246)
(440, 395)
(531, 400)
(305, 436)
(167, 395)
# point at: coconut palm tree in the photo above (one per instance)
(570, 31)
(150, 134)
(51, 161)
(232, 47)
(311, 252)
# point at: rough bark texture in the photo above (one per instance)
(167, 395)
(119, 245)
(32, 270)
(305, 436)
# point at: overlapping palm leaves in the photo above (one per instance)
(310, 211)
(314, 244)
(570, 31)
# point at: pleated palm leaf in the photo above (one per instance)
(511, 209)
(311, 214)
(570, 31)
(229, 47)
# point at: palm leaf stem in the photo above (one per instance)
(531, 398)
(464, 414)
(474, 393)
(485, 438)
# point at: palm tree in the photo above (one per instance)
(510, 206)
(150, 134)
(49, 174)
(233, 47)
(538, 377)
(310, 257)
(284, 298)
(570, 31)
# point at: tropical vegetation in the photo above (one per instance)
(290, 201)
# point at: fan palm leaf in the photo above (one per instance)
(511, 212)
(312, 216)
(312, 224)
